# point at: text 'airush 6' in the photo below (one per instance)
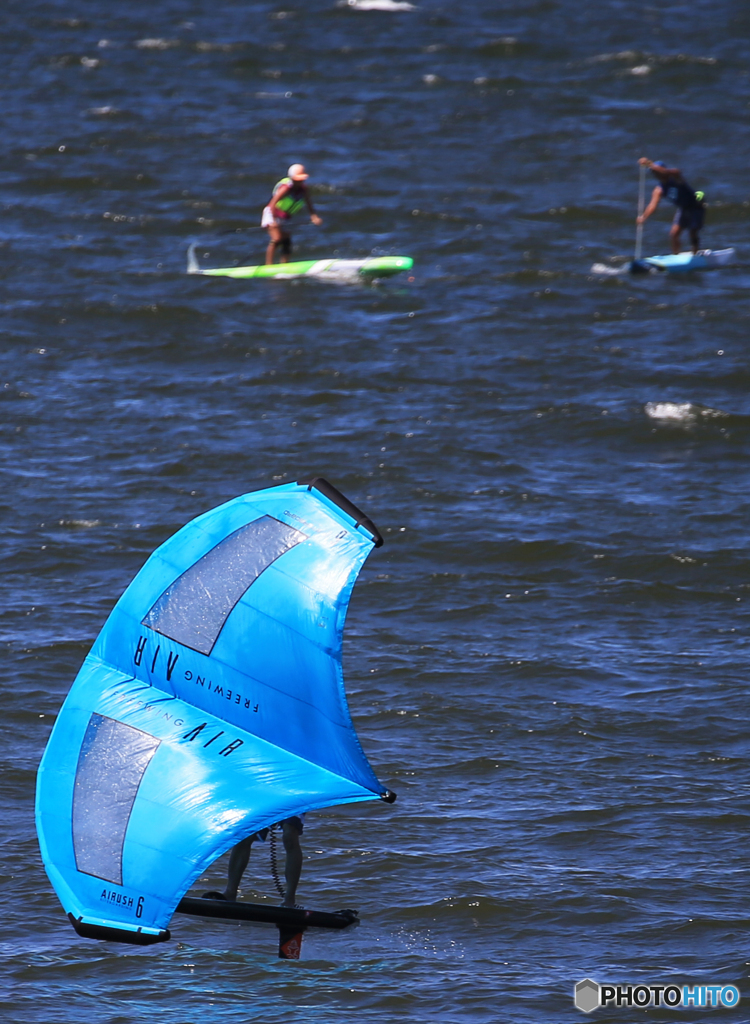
(211, 705)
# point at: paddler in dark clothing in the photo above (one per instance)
(690, 204)
(290, 195)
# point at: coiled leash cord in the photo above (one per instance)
(274, 862)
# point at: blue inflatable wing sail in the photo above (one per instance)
(211, 705)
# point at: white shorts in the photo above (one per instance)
(268, 220)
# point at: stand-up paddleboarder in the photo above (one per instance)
(690, 204)
(289, 196)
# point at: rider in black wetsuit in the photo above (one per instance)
(690, 205)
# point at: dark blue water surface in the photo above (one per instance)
(548, 658)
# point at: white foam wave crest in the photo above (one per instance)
(378, 5)
(606, 271)
(680, 413)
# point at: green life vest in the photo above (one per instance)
(288, 204)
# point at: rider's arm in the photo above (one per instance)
(313, 215)
(655, 197)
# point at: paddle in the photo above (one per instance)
(635, 264)
(641, 207)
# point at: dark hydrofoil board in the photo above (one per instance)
(291, 922)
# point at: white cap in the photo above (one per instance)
(297, 172)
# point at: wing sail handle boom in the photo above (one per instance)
(211, 705)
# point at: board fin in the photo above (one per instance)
(193, 267)
(290, 942)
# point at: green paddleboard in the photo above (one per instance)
(377, 266)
